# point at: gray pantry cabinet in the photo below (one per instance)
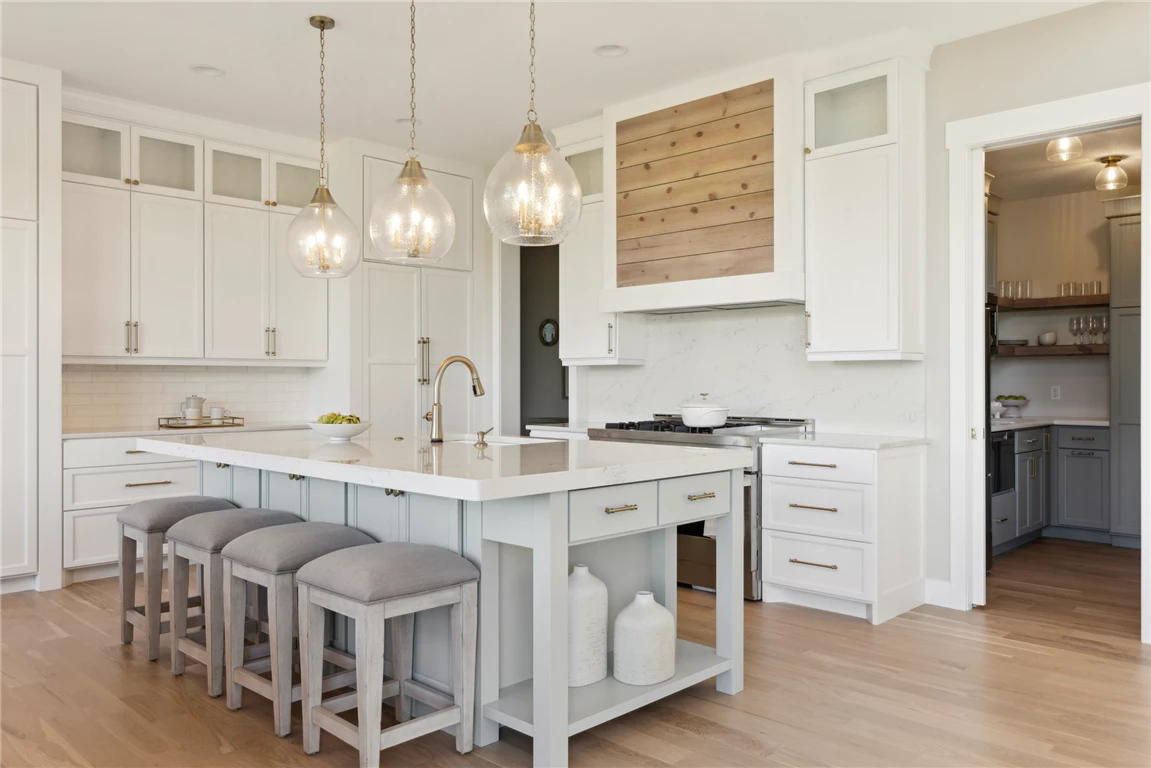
(1125, 422)
(1083, 478)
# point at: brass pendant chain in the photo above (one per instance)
(323, 175)
(412, 153)
(532, 116)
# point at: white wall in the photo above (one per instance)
(1051, 58)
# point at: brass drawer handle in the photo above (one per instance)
(220, 465)
(821, 509)
(295, 477)
(134, 450)
(624, 508)
(1035, 440)
(1084, 439)
(1001, 519)
(1083, 453)
(811, 464)
(698, 496)
(392, 492)
(155, 482)
(817, 565)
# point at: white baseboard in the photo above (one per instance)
(17, 584)
(937, 592)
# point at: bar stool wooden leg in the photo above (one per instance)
(280, 615)
(213, 609)
(127, 583)
(235, 590)
(370, 682)
(178, 602)
(311, 667)
(403, 635)
(153, 590)
(464, 621)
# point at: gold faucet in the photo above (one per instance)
(436, 416)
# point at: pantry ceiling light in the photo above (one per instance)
(611, 51)
(207, 71)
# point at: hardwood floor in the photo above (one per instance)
(1051, 673)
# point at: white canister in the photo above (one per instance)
(587, 628)
(644, 652)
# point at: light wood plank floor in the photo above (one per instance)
(1051, 673)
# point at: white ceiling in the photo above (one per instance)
(1025, 172)
(472, 56)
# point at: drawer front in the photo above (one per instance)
(827, 566)
(841, 510)
(1085, 438)
(693, 498)
(107, 452)
(90, 537)
(120, 486)
(598, 512)
(1030, 440)
(810, 463)
(1004, 517)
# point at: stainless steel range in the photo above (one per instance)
(695, 546)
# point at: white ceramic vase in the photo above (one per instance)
(644, 652)
(587, 628)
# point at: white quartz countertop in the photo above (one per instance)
(1002, 425)
(508, 467)
(90, 432)
(833, 440)
(564, 427)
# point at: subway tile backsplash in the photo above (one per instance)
(135, 396)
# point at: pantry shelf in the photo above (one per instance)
(1060, 350)
(1055, 302)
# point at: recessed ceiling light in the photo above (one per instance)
(206, 71)
(611, 51)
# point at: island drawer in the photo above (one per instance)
(1081, 438)
(816, 463)
(107, 452)
(117, 486)
(841, 510)
(597, 512)
(693, 498)
(828, 566)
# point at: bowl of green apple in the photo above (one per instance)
(338, 427)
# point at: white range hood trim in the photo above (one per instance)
(768, 289)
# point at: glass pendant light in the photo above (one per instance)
(1112, 176)
(1064, 148)
(532, 196)
(412, 222)
(322, 240)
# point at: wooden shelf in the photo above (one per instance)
(1060, 350)
(594, 704)
(1056, 302)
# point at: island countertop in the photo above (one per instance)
(506, 468)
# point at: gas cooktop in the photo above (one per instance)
(739, 431)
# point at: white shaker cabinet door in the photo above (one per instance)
(18, 150)
(299, 316)
(167, 277)
(96, 269)
(585, 332)
(394, 358)
(236, 302)
(852, 253)
(447, 323)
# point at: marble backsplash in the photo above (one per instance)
(753, 361)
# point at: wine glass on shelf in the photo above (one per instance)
(1092, 328)
(1073, 326)
(1104, 327)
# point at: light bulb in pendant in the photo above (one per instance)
(1112, 176)
(1064, 148)
(532, 196)
(322, 240)
(412, 222)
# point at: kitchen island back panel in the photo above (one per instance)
(134, 396)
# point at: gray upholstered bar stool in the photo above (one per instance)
(270, 558)
(199, 539)
(371, 584)
(145, 523)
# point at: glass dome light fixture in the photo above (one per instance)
(1112, 176)
(1064, 148)
(412, 222)
(532, 196)
(322, 240)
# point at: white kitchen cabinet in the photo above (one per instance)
(167, 277)
(445, 320)
(18, 394)
(236, 274)
(298, 306)
(19, 156)
(96, 271)
(255, 178)
(864, 215)
(167, 163)
(96, 151)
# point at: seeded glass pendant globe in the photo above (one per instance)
(1064, 148)
(1112, 176)
(532, 196)
(412, 222)
(322, 240)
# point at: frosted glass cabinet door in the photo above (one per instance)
(291, 182)
(96, 151)
(852, 110)
(236, 175)
(166, 163)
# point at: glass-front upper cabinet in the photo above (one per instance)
(292, 182)
(851, 110)
(253, 178)
(96, 151)
(588, 167)
(167, 163)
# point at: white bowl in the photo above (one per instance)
(340, 433)
(1047, 339)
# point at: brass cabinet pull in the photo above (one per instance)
(127, 181)
(155, 482)
(275, 341)
(817, 565)
(1084, 439)
(392, 492)
(1033, 440)
(134, 450)
(1083, 453)
(267, 202)
(1001, 519)
(821, 509)
(295, 477)
(807, 325)
(698, 496)
(1031, 467)
(268, 342)
(128, 336)
(220, 465)
(624, 508)
(1047, 442)
(609, 339)
(135, 182)
(274, 203)
(136, 333)
(811, 464)
(807, 150)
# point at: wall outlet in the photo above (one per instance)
(1055, 393)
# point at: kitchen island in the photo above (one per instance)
(523, 511)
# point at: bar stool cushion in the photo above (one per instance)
(161, 514)
(384, 571)
(284, 548)
(210, 531)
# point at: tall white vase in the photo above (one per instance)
(587, 628)
(644, 651)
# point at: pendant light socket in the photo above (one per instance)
(1112, 176)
